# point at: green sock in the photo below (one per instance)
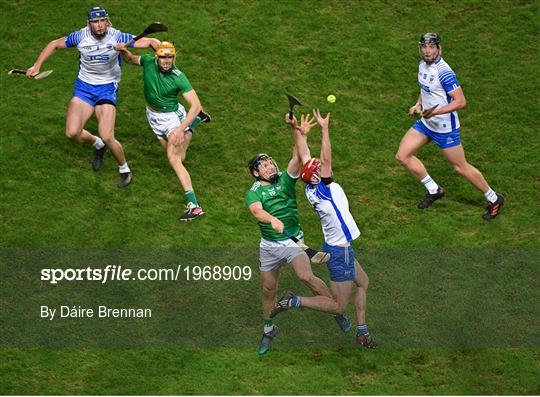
(191, 197)
(195, 123)
(268, 325)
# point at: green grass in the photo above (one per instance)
(295, 372)
(241, 56)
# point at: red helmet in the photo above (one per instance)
(310, 169)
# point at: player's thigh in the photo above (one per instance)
(341, 290)
(77, 115)
(269, 279)
(174, 152)
(455, 155)
(411, 142)
(183, 147)
(302, 266)
(361, 278)
(187, 140)
(106, 116)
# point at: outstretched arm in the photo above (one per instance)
(326, 146)
(301, 153)
(146, 42)
(46, 53)
(127, 55)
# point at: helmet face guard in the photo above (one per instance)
(166, 50)
(256, 161)
(430, 38)
(310, 170)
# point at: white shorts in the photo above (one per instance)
(273, 254)
(163, 124)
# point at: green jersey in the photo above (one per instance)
(161, 89)
(278, 200)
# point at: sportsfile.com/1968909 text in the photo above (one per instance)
(121, 273)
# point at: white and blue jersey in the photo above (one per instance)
(436, 80)
(332, 208)
(99, 63)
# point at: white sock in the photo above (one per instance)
(123, 168)
(268, 328)
(430, 184)
(98, 144)
(491, 196)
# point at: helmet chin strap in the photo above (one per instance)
(273, 179)
(165, 70)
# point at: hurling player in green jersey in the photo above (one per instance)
(272, 201)
(163, 81)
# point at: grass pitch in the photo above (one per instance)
(241, 56)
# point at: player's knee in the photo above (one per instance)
(362, 281)
(174, 157)
(340, 308)
(72, 134)
(307, 278)
(365, 281)
(460, 168)
(269, 290)
(108, 139)
(402, 159)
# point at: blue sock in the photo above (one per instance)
(295, 301)
(362, 329)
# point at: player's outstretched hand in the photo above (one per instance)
(292, 122)
(306, 123)
(416, 109)
(323, 121)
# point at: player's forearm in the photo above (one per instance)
(194, 110)
(45, 54)
(301, 146)
(146, 42)
(128, 57)
(326, 147)
(263, 216)
(456, 104)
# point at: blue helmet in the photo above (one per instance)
(96, 13)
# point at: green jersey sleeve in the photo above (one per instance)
(144, 59)
(252, 197)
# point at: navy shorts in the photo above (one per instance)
(96, 94)
(341, 263)
(444, 140)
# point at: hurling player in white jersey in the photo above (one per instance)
(440, 98)
(96, 86)
(339, 228)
